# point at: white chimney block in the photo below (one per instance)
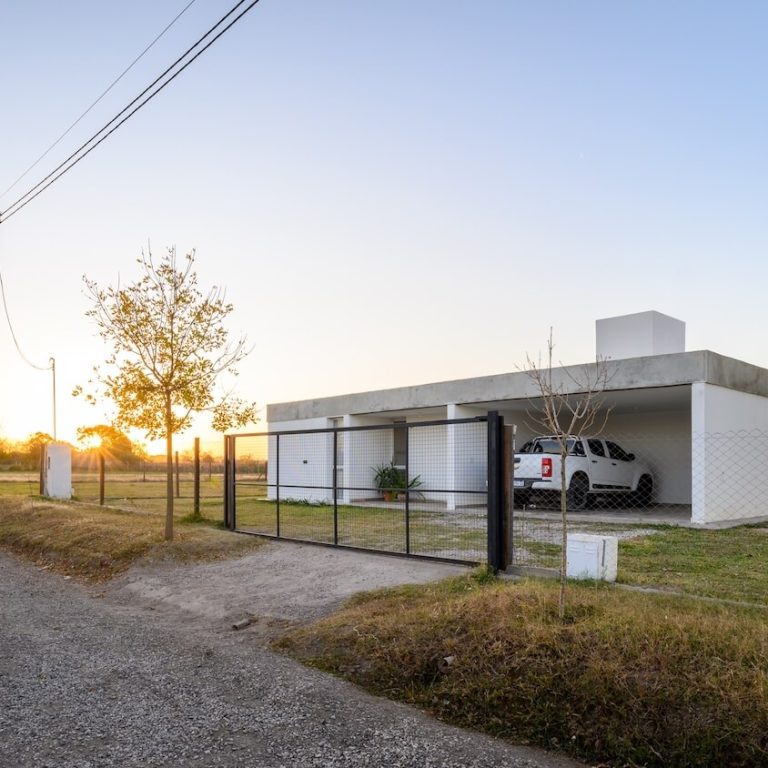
(639, 335)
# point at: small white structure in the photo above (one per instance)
(640, 335)
(592, 557)
(56, 475)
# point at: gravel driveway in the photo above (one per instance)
(147, 672)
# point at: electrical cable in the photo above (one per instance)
(13, 335)
(81, 152)
(5, 215)
(103, 94)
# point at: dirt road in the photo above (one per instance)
(148, 672)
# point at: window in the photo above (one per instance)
(596, 447)
(399, 443)
(552, 445)
(617, 452)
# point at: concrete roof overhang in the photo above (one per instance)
(495, 392)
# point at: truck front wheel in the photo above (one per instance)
(578, 493)
(644, 493)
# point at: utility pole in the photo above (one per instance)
(53, 372)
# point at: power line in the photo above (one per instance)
(103, 94)
(73, 159)
(51, 360)
(13, 334)
(82, 152)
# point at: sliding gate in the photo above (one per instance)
(427, 489)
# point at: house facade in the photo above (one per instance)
(698, 419)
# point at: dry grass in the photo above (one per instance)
(630, 679)
(95, 543)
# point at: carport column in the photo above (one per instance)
(455, 457)
(698, 452)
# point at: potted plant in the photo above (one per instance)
(391, 481)
(387, 480)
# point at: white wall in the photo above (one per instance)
(305, 460)
(660, 439)
(730, 454)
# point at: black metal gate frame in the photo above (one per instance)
(496, 525)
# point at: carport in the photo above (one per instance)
(697, 419)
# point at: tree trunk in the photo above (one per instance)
(169, 480)
(564, 542)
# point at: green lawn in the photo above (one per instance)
(730, 564)
(436, 533)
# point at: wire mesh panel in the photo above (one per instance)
(615, 484)
(371, 510)
(627, 485)
(255, 511)
(304, 495)
(143, 485)
(409, 488)
(448, 466)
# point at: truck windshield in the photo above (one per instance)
(550, 445)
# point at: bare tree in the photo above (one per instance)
(569, 405)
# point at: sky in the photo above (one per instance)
(391, 193)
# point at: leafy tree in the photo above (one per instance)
(169, 347)
(31, 449)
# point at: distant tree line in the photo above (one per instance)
(119, 451)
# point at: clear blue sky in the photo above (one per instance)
(392, 193)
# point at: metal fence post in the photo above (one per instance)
(277, 485)
(407, 493)
(42, 469)
(196, 493)
(101, 477)
(496, 533)
(230, 519)
(335, 487)
(509, 493)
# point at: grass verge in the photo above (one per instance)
(631, 680)
(95, 543)
(729, 564)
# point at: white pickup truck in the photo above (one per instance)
(592, 466)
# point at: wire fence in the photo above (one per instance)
(408, 488)
(146, 489)
(627, 485)
(426, 489)
(142, 487)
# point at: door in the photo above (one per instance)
(601, 469)
(622, 464)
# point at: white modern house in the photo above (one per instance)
(698, 419)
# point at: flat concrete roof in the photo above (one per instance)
(633, 373)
